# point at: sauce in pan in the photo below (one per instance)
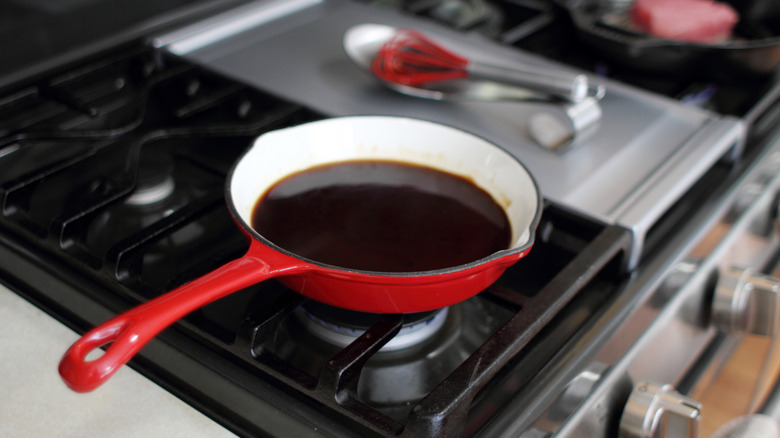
(382, 216)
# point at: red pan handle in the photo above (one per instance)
(130, 331)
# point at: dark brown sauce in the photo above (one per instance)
(382, 216)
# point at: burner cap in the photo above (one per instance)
(148, 194)
(154, 181)
(340, 327)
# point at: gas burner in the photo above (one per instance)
(429, 346)
(156, 196)
(340, 327)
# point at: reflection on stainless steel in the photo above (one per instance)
(231, 23)
(655, 410)
(746, 302)
(569, 87)
(577, 391)
(478, 91)
(561, 127)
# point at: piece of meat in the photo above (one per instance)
(698, 21)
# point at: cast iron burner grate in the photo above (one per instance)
(449, 408)
(113, 193)
(81, 178)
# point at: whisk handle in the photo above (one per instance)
(568, 86)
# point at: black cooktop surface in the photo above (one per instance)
(37, 35)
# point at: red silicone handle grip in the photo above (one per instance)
(130, 331)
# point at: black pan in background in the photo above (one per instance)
(753, 51)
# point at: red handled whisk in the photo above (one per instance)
(411, 58)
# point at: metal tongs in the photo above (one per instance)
(572, 108)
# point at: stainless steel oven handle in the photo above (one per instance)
(746, 302)
(655, 410)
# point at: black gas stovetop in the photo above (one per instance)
(114, 192)
(114, 166)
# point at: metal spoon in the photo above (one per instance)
(557, 128)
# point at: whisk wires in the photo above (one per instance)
(411, 58)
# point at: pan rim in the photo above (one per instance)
(505, 253)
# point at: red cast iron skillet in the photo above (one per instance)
(280, 153)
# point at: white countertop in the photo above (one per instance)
(34, 402)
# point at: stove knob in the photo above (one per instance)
(655, 410)
(746, 302)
